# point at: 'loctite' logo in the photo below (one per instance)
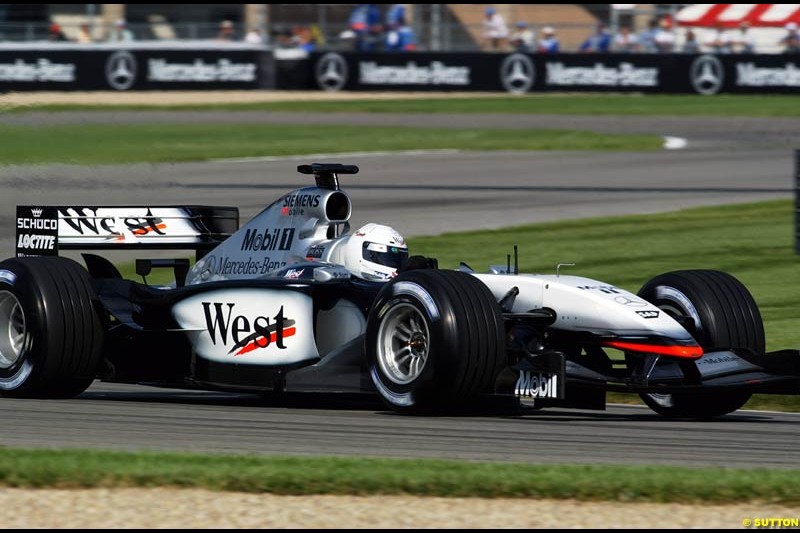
(36, 242)
(245, 334)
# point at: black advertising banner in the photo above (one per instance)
(122, 69)
(520, 73)
(37, 231)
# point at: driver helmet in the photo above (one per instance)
(375, 252)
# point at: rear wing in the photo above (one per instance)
(43, 230)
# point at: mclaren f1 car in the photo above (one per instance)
(295, 300)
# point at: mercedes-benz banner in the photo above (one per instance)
(520, 73)
(86, 68)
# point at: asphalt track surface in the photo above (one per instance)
(425, 194)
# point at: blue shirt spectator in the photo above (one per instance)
(648, 37)
(549, 43)
(401, 39)
(599, 41)
(396, 15)
(365, 22)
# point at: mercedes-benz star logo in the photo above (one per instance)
(331, 72)
(121, 70)
(707, 74)
(517, 73)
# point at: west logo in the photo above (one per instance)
(86, 220)
(246, 335)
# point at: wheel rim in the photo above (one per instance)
(12, 330)
(674, 303)
(403, 343)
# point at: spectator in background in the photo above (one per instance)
(648, 37)
(254, 37)
(744, 42)
(523, 39)
(495, 30)
(84, 36)
(690, 45)
(599, 41)
(365, 23)
(625, 41)
(400, 37)
(226, 31)
(120, 33)
(719, 42)
(791, 41)
(303, 38)
(395, 15)
(548, 44)
(665, 37)
(55, 34)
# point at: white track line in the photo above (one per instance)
(675, 143)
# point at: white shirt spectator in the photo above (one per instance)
(744, 42)
(665, 40)
(719, 42)
(253, 37)
(625, 41)
(494, 27)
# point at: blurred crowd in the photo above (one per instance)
(660, 36)
(119, 32)
(371, 31)
(386, 28)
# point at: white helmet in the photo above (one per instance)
(375, 252)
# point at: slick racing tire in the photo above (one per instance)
(724, 315)
(50, 332)
(435, 339)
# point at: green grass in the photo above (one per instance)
(567, 104)
(754, 242)
(90, 144)
(366, 476)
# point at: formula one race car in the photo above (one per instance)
(295, 301)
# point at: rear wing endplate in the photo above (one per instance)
(44, 230)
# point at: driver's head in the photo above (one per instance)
(375, 252)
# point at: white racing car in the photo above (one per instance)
(294, 301)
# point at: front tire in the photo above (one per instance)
(434, 340)
(50, 332)
(723, 315)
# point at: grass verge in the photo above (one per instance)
(366, 476)
(562, 104)
(90, 144)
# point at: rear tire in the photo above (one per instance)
(435, 339)
(50, 332)
(725, 316)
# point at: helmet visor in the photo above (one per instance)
(390, 256)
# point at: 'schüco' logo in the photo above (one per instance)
(707, 74)
(246, 335)
(331, 72)
(37, 212)
(517, 73)
(121, 70)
